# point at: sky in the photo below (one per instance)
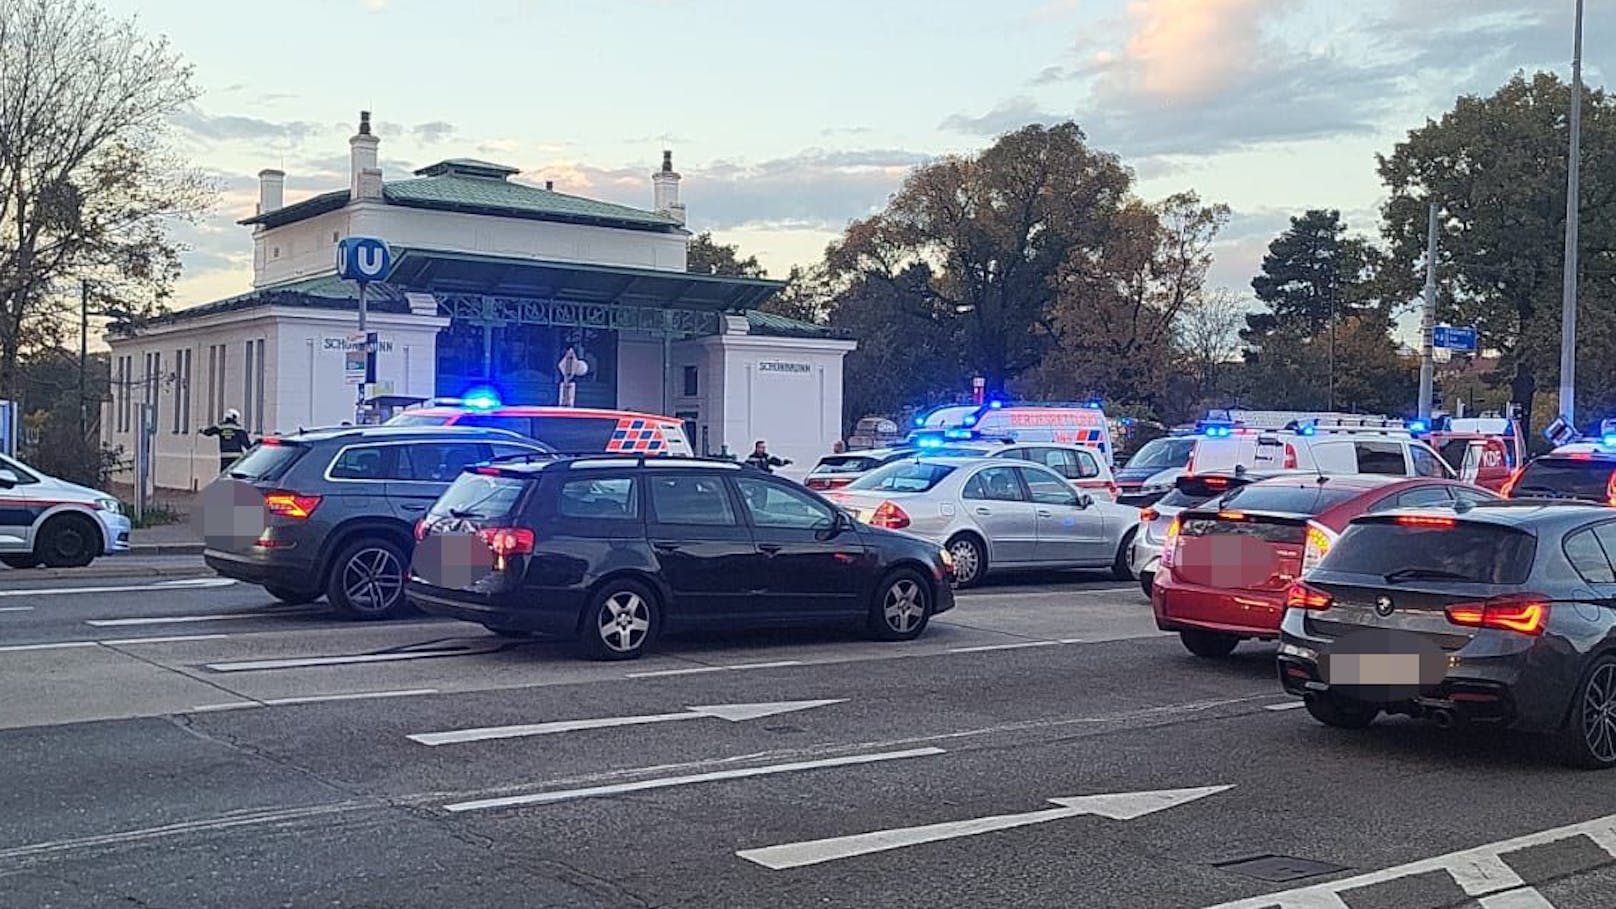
(788, 120)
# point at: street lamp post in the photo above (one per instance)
(1568, 312)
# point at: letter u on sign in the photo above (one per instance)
(364, 259)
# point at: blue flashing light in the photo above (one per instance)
(920, 421)
(959, 434)
(930, 442)
(480, 398)
(1093, 405)
(1418, 426)
(995, 405)
(1215, 430)
(1307, 429)
(1610, 441)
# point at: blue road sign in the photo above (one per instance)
(1453, 338)
(363, 259)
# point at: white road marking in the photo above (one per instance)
(1045, 594)
(1288, 705)
(183, 619)
(304, 662)
(696, 670)
(183, 584)
(1480, 871)
(16, 608)
(543, 798)
(59, 645)
(313, 699)
(1121, 807)
(1019, 646)
(172, 639)
(735, 713)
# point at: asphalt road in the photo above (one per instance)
(168, 743)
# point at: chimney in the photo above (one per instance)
(549, 185)
(362, 152)
(665, 183)
(271, 190)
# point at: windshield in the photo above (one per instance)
(475, 495)
(1473, 553)
(902, 476)
(844, 464)
(267, 462)
(1162, 454)
(1566, 478)
(419, 419)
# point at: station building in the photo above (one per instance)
(495, 279)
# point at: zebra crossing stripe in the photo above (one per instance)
(1480, 871)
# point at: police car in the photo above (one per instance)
(1582, 471)
(46, 521)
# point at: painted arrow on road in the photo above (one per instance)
(1119, 807)
(735, 713)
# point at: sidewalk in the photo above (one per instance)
(165, 539)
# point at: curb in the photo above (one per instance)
(165, 549)
(99, 571)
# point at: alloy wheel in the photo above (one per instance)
(625, 619)
(1599, 713)
(373, 580)
(904, 606)
(967, 560)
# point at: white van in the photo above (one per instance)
(1386, 451)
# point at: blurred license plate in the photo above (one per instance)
(1373, 669)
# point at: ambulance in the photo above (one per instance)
(1067, 424)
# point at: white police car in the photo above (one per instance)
(46, 521)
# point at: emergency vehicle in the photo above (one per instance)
(1070, 424)
(569, 430)
(1338, 445)
(1484, 450)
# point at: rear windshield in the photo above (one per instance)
(267, 462)
(1566, 478)
(1463, 553)
(475, 495)
(1297, 500)
(419, 419)
(902, 476)
(1162, 454)
(842, 464)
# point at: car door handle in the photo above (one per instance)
(1045, 514)
(770, 548)
(416, 507)
(984, 511)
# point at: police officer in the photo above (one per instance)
(233, 439)
(762, 460)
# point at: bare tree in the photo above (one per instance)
(88, 179)
(1208, 334)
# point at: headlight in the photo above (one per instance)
(1153, 490)
(111, 506)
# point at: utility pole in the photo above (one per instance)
(1428, 321)
(84, 355)
(1568, 311)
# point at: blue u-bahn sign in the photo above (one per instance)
(1453, 338)
(363, 259)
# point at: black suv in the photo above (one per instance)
(615, 550)
(337, 509)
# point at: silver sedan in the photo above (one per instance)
(995, 515)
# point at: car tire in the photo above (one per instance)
(1146, 581)
(68, 541)
(1588, 738)
(1209, 644)
(292, 597)
(901, 607)
(366, 580)
(968, 551)
(622, 618)
(21, 560)
(1120, 569)
(1336, 714)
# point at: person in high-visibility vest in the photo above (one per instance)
(233, 439)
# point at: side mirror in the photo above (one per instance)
(1084, 500)
(8, 478)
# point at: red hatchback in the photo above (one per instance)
(1227, 564)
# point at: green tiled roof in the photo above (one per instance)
(315, 293)
(759, 322)
(465, 184)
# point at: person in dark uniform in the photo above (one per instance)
(762, 460)
(233, 439)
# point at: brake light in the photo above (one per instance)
(1425, 520)
(1508, 490)
(1290, 456)
(290, 504)
(1148, 515)
(1524, 613)
(1610, 490)
(507, 541)
(270, 442)
(888, 515)
(1216, 482)
(1319, 541)
(486, 471)
(1170, 544)
(1301, 596)
(1231, 516)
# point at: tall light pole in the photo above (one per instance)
(1568, 311)
(1428, 321)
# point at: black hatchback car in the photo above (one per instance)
(330, 512)
(613, 551)
(1503, 613)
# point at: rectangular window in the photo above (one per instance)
(609, 498)
(699, 500)
(218, 412)
(185, 387)
(258, 393)
(692, 382)
(247, 389)
(155, 378)
(213, 379)
(179, 388)
(123, 394)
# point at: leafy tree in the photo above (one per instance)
(979, 243)
(88, 181)
(907, 354)
(705, 256)
(1372, 376)
(1312, 273)
(1496, 167)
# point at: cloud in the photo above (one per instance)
(375, 6)
(235, 128)
(1193, 48)
(1004, 117)
(433, 131)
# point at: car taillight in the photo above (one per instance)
(1508, 490)
(507, 541)
(889, 516)
(1610, 490)
(1425, 520)
(1301, 596)
(1290, 456)
(1148, 515)
(1319, 541)
(290, 504)
(1524, 613)
(420, 530)
(1170, 544)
